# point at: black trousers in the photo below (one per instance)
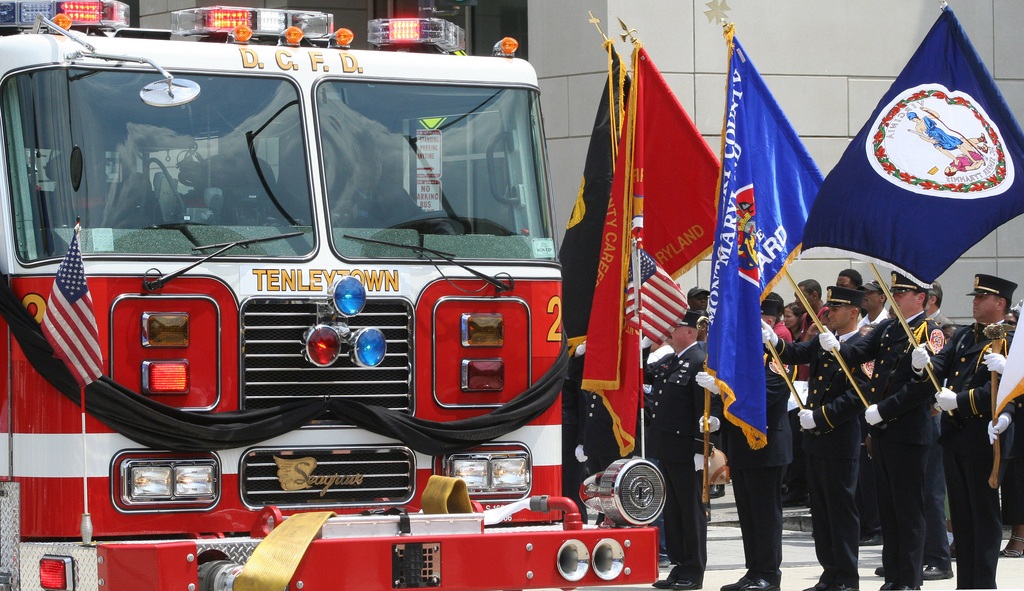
(832, 485)
(686, 526)
(899, 475)
(977, 527)
(758, 493)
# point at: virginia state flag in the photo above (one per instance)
(768, 184)
(942, 143)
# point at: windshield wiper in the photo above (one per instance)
(498, 284)
(162, 280)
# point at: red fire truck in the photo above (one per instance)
(321, 278)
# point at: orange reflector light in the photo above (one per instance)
(509, 46)
(483, 375)
(292, 36)
(63, 21)
(165, 377)
(225, 18)
(483, 330)
(344, 37)
(165, 329)
(404, 30)
(242, 33)
(56, 572)
(83, 12)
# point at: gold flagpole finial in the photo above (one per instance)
(629, 34)
(597, 23)
(717, 11)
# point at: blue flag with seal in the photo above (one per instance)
(768, 183)
(941, 142)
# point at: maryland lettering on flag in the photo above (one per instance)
(664, 162)
(581, 246)
(768, 183)
(943, 141)
(662, 303)
(69, 323)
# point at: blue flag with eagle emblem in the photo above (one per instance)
(768, 183)
(941, 142)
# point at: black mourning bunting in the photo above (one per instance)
(162, 427)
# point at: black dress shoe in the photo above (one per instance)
(880, 571)
(737, 585)
(686, 584)
(818, 587)
(667, 582)
(886, 587)
(759, 585)
(842, 588)
(872, 540)
(934, 573)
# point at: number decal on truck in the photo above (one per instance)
(555, 307)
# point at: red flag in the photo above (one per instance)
(665, 167)
(69, 323)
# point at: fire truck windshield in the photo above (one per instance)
(457, 169)
(230, 165)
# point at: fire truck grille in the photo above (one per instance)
(336, 477)
(275, 371)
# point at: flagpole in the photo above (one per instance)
(635, 257)
(818, 325)
(86, 525)
(903, 322)
(997, 333)
(785, 376)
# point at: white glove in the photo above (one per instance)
(806, 417)
(768, 335)
(998, 426)
(872, 416)
(580, 349)
(646, 343)
(995, 362)
(920, 357)
(707, 381)
(580, 456)
(698, 462)
(828, 341)
(946, 399)
(713, 423)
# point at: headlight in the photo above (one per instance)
(501, 473)
(193, 481)
(151, 482)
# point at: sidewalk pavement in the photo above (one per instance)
(800, 569)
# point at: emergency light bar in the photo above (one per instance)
(262, 21)
(104, 13)
(399, 33)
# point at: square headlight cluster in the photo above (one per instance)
(148, 481)
(497, 472)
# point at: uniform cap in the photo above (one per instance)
(901, 282)
(691, 318)
(992, 285)
(843, 296)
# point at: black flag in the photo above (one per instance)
(581, 247)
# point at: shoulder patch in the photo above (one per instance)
(936, 340)
(868, 368)
(772, 365)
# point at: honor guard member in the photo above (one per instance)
(831, 444)
(757, 474)
(674, 440)
(900, 428)
(966, 365)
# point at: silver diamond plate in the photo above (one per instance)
(86, 572)
(236, 549)
(10, 533)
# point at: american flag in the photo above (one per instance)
(663, 304)
(69, 323)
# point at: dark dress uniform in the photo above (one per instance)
(757, 476)
(673, 438)
(900, 442)
(833, 456)
(967, 453)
